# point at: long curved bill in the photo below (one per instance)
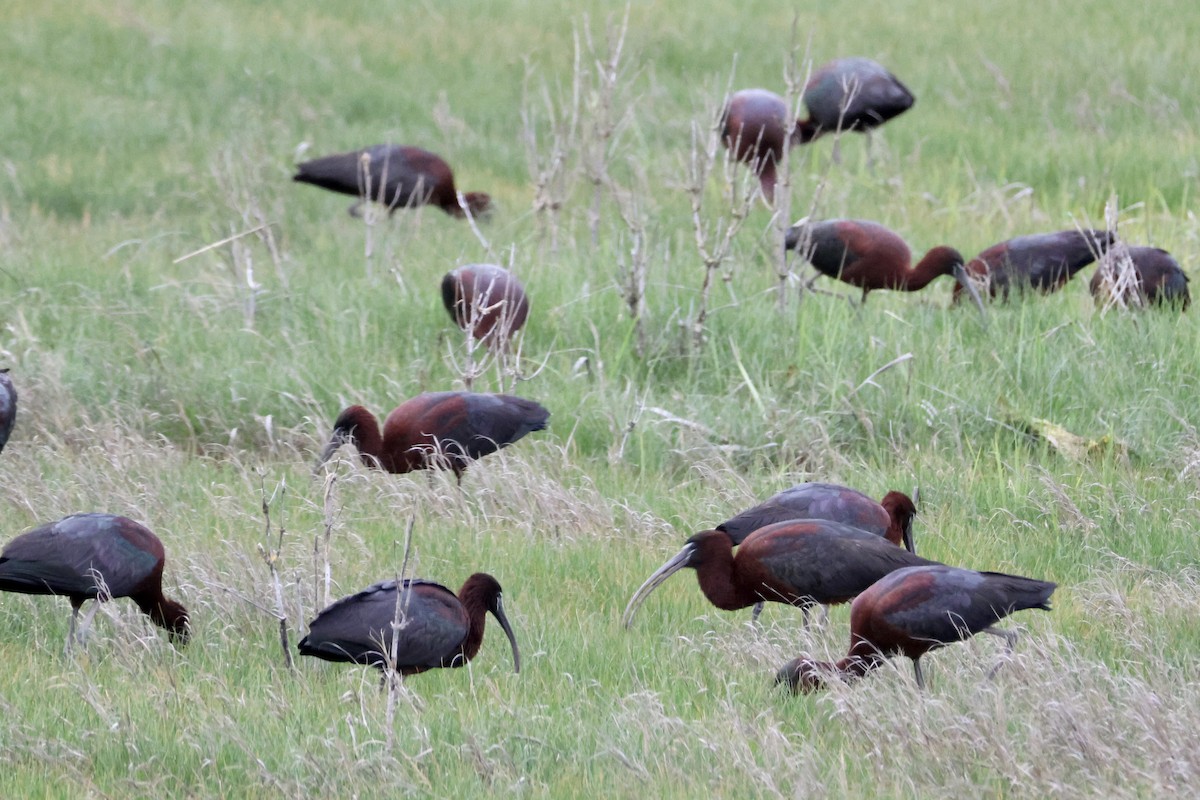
(907, 537)
(508, 631)
(335, 441)
(964, 280)
(676, 563)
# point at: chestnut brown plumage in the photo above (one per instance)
(437, 429)
(396, 176)
(850, 94)
(437, 628)
(870, 256)
(8, 407)
(1160, 280)
(890, 518)
(1043, 261)
(486, 300)
(756, 126)
(914, 610)
(93, 556)
(800, 562)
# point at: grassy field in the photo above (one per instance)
(185, 392)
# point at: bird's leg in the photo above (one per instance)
(917, 672)
(354, 211)
(86, 627)
(837, 148)
(71, 630)
(758, 609)
(824, 616)
(1010, 641)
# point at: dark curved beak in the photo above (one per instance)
(498, 613)
(964, 280)
(335, 441)
(676, 563)
(907, 537)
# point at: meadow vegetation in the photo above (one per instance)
(187, 389)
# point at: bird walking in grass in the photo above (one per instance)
(395, 176)
(8, 407)
(94, 557)
(911, 611)
(424, 623)
(446, 430)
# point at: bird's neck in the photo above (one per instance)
(719, 579)
(166, 614)
(806, 131)
(476, 620)
(937, 262)
(367, 437)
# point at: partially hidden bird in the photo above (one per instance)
(427, 624)
(447, 430)
(1157, 278)
(870, 256)
(1043, 261)
(395, 176)
(891, 517)
(914, 610)
(799, 562)
(485, 300)
(8, 407)
(94, 557)
(851, 94)
(846, 94)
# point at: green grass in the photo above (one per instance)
(166, 390)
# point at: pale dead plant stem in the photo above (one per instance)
(369, 215)
(322, 546)
(399, 621)
(795, 77)
(629, 206)
(603, 119)
(551, 184)
(271, 557)
(714, 242)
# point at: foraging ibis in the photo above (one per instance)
(437, 429)
(917, 609)
(396, 176)
(868, 255)
(755, 126)
(890, 518)
(93, 557)
(8, 407)
(799, 562)
(436, 628)
(1160, 279)
(482, 298)
(850, 94)
(1043, 261)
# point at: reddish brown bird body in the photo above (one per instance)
(8, 407)
(870, 256)
(912, 611)
(396, 176)
(851, 94)
(1159, 278)
(437, 628)
(800, 562)
(756, 126)
(486, 300)
(437, 429)
(93, 556)
(890, 518)
(1044, 261)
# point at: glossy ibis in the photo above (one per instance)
(1160, 279)
(799, 562)
(1043, 261)
(437, 429)
(482, 298)
(93, 557)
(436, 628)
(396, 176)
(914, 610)
(756, 126)
(868, 255)
(8, 407)
(850, 94)
(890, 518)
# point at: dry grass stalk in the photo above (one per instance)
(271, 556)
